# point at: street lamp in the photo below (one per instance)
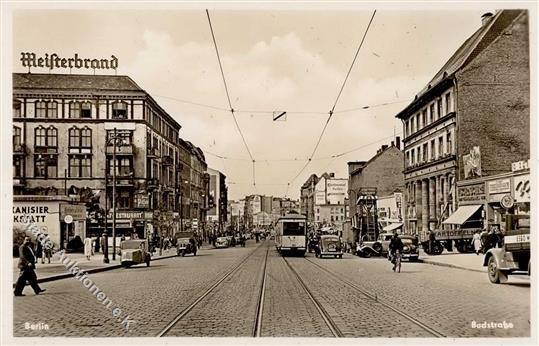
(114, 139)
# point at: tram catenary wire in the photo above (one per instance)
(336, 100)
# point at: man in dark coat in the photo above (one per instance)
(395, 245)
(27, 264)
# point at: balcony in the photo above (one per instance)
(121, 150)
(166, 160)
(152, 153)
(19, 149)
(152, 183)
(122, 179)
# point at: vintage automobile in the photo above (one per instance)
(222, 242)
(185, 246)
(330, 245)
(134, 252)
(375, 248)
(410, 250)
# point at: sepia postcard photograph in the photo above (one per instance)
(271, 172)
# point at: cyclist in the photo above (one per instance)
(395, 245)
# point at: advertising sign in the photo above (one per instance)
(472, 163)
(320, 197)
(474, 192)
(336, 190)
(499, 186)
(76, 211)
(522, 188)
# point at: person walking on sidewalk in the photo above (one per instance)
(27, 264)
(477, 242)
(88, 248)
(47, 253)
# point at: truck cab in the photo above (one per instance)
(514, 256)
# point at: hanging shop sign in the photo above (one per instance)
(53, 61)
(507, 202)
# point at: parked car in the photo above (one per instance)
(134, 252)
(222, 242)
(410, 250)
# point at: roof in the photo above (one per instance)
(472, 47)
(73, 82)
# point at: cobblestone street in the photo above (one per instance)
(360, 297)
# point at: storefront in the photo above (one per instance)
(484, 202)
(58, 217)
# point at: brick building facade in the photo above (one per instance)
(472, 119)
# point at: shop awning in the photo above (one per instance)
(462, 214)
(392, 226)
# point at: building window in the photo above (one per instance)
(448, 102)
(449, 143)
(80, 139)
(432, 149)
(407, 128)
(17, 109)
(408, 157)
(80, 166)
(439, 110)
(41, 109)
(424, 117)
(46, 166)
(123, 167)
(425, 152)
(46, 137)
(119, 110)
(412, 124)
(413, 156)
(17, 139)
(86, 110)
(17, 166)
(440, 146)
(431, 115)
(46, 109)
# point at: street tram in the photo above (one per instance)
(291, 234)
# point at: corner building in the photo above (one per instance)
(471, 120)
(63, 145)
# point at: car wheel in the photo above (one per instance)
(340, 256)
(367, 253)
(493, 271)
(377, 247)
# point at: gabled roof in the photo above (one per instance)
(472, 47)
(73, 82)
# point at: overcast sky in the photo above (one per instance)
(272, 60)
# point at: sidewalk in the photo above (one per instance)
(56, 270)
(455, 259)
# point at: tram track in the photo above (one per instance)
(377, 300)
(182, 314)
(332, 326)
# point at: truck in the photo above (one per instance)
(514, 256)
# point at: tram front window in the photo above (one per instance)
(293, 228)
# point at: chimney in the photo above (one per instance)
(486, 17)
(398, 142)
(392, 143)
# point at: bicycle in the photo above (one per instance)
(396, 260)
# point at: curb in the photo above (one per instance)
(90, 271)
(449, 265)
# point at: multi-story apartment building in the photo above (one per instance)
(329, 202)
(307, 195)
(67, 131)
(472, 119)
(218, 200)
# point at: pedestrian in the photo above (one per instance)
(88, 248)
(103, 242)
(39, 251)
(27, 264)
(97, 245)
(47, 252)
(477, 242)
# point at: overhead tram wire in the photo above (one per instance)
(228, 96)
(337, 99)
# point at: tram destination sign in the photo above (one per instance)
(53, 61)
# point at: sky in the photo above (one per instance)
(274, 61)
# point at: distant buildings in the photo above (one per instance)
(217, 214)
